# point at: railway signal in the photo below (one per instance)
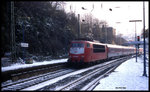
(138, 38)
(135, 33)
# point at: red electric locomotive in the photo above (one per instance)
(86, 51)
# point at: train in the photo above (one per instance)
(140, 51)
(87, 52)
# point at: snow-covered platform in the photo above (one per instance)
(19, 65)
(128, 76)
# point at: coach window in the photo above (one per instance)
(88, 45)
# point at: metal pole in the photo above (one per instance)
(135, 34)
(23, 40)
(13, 50)
(78, 26)
(12, 9)
(135, 41)
(14, 36)
(144, 72)
(106, 33)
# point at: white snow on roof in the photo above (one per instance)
(128, 76)
(18, 65)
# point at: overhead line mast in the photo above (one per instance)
(13, 42)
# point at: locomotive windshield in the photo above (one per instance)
(77, 45)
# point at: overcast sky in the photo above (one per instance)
(121, 12)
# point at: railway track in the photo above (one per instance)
(100, 71)
(92, 84)
(18, 85)
(71, 79)
(78, 81)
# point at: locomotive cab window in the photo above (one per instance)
(98, 48)
(77, 45)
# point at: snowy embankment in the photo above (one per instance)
(128, 76)
(19, 65)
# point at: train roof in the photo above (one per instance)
(97, 42)
(92, 42)
(114, 46)
(117, 46)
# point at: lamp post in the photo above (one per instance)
(79, 28)
(120, 34)
(90, 12)
(13, 40)
(135, 34)
(144, 72)
(111, 9)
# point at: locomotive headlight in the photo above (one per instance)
(70, 56)
(82, 56)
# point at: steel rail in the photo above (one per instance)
(33, 81)
(90, 86)
(28, 79)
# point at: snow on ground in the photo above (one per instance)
(128, 76)
(19, 65)
(43, 84)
